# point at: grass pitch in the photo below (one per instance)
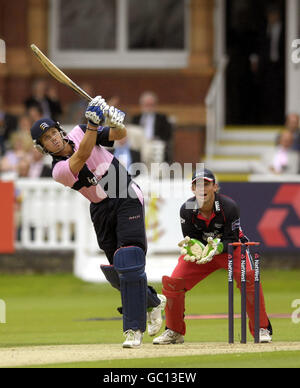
(44, 310)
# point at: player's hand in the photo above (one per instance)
(114, 117)
(104, 107)
(213, 247)
(191, 249)
(94, 114)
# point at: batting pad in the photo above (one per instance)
(129, 262)
(111, 275)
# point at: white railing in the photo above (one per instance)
(52, 217)
(47, 216)
(215, 110)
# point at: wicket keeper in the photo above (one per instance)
(209, 222)
(81, 162)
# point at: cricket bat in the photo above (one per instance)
(57, 73)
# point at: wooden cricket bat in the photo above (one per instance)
(57, 73)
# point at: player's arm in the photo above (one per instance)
(187, 226)
(79, 158)
(95, 116)
(117, 133)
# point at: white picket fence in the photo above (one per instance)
(47, 216)
(52, 217)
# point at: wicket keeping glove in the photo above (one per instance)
(213, 247)
(94, 114)
(114, 117)
(191, 249)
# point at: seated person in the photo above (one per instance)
(126, 155)
(155, 124)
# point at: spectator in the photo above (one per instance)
(8, 124)
(125, 154)
(54, 103)
(24, 123)
(23, 166)
(76, 110)
(45, 98)
(35, 112)
(285, 159)
(156, 125)
(37, 166)
(21, 145)
(292, 125)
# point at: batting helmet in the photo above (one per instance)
(39, 128)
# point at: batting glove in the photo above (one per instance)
(94, 114)
(213, 247)
(191, 249)
(114, 118)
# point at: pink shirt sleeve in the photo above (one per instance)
(63, 174)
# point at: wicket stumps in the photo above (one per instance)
(244, 247)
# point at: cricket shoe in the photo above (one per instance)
(154, 317)
(169, 337)
(265, 336)
(133, 338)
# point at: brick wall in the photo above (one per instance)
(181, 92)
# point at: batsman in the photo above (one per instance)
(81, 162)
(209, 222)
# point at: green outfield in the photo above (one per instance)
(47, 310)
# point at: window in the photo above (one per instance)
(157, 25)
(119, 33)
(88, 27)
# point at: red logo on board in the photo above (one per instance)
(270, 225)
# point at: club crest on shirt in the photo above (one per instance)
(219, 226)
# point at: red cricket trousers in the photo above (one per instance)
(193, 273)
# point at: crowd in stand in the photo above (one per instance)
(286, 156)
(18, 157)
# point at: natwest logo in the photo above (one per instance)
(271, 224)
